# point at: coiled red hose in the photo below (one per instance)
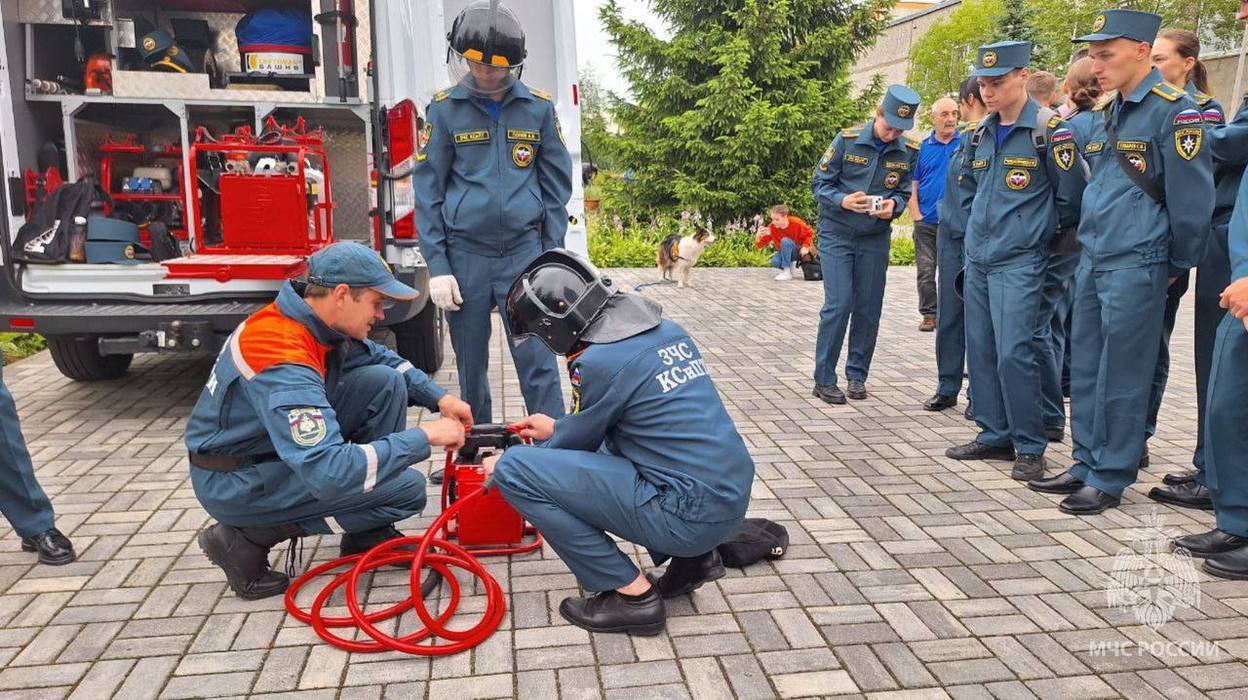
(445, 556)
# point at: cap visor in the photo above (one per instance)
(994, 72)
(898, 122)
(1096, 37)
(397, 290)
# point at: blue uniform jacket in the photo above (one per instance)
(649, 399)
(1162, 132)
(491, 187)
(1016, 208)
(1228, 141)
(267, 396)
(1082, 124)
(852, 164)
(955, 204)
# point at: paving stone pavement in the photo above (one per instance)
(910, 575)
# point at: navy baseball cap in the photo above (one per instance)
(899, 106)
(356, 266)
(994, 60)
(1123, 24)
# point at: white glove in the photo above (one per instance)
(444, 290)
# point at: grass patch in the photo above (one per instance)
(17, 346)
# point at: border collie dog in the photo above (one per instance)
(678, 255)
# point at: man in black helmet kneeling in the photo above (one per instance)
(647, 451)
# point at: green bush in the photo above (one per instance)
(17, 346)
(901, 251)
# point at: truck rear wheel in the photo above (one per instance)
(78, 357)
(419, 339)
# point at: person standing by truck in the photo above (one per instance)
(492, 186)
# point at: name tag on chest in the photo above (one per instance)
(475, 136)
(857, 159)
(1019, 162)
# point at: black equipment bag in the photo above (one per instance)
(758, 539)
(45, 237)
(164, 243)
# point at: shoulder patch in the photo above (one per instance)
(1202, 99)
(1187, 117)
(851, 133)
(1105, 101)
(542, 95)
(1213, 115)
(441, 95)
(1055, 120)
(912, 143)
(1061, 135)
(970, 126)
(1168, 91)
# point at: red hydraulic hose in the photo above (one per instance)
(447, 555)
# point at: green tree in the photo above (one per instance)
(731, 112)
(1055, 22)
(942, 58)
(595, 128)
(1016, 23)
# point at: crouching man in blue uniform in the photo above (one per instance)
(1146, 216)
(304, 419)
(647, 453)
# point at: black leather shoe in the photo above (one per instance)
(611, 612)
(940, 402)
(1179, 478)
(1088, 500)
(856, 390)
(968, 413)
(1232, 564)
(436, 476)
(54, 548)
(1028, 467)
(243, 554)
(830, 394)
(1189, 495)
(978, 450)
(1055, 433)
(1064, 483)
(685, 575)
(1209, 544)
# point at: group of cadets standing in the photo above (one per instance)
(1070, 237)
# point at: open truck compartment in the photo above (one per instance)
(243, 152)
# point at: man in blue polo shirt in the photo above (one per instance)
(929, 187)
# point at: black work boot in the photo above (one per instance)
(360, 542)
(856, 390)
(829, 393)
(978, 450)
(613, 612)
(687, 574)
(54, 548)
(243, 554)
(1028, 467)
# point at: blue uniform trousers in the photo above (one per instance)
(1174, 297)
(1051, 336)
(1002, 312)
(1117, 330)
(576, 497)
(787, 255)
(370, 403)
(484, 282)
(1213, 276)
(950, 326)
(22, 501)
(854, 273)
(1226, 428)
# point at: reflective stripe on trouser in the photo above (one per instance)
(1051, 336)
(483, 283)
(1117, 330)
(370, 403)
(1226, 430)
(575, 498)
(1002, 307)
(950, 326)
(854, 273)
(1174, 297)
(787, 255)
(22, 501)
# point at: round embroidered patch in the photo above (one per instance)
(892, 179)
(990, 59)
(522, 155)
(1017, 179)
